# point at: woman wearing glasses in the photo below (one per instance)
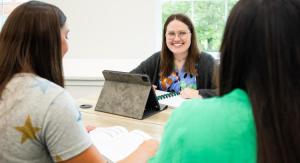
(256, 117)
(179, 66)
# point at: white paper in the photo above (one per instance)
(172, 102)
(116, 142)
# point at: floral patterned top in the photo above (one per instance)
(177, 81)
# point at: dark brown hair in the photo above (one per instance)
(31, 40)
(167, 58)
(260, 53)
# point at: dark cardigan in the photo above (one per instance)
(205, 69)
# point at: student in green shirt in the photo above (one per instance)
(256, 118)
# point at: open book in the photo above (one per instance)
(172, 99)
(116, 143)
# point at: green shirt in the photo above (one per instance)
(215, 130)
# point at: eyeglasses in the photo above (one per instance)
(181, 34)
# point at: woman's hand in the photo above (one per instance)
(190, 93)
(150, 146)
(154, 87)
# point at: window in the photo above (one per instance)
(6, 7)
(208, 16)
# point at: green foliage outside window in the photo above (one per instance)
(208, 16)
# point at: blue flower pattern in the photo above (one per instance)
(180, 80)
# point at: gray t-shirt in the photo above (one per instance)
(39, 122)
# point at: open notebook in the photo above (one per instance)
(172, 99)
(116, 142)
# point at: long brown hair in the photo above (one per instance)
(167, 58)
(260, 53)
(31, 39)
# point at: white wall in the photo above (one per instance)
(112, 29)
(107, 34)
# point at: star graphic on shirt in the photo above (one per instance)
(28, 131)
(58, 158)
(43, 84)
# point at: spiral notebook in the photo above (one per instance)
(172, 99)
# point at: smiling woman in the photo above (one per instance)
(209, 18)
(178, 39)
(180, 66)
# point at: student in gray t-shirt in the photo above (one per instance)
(36, 113)
(39, 121)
